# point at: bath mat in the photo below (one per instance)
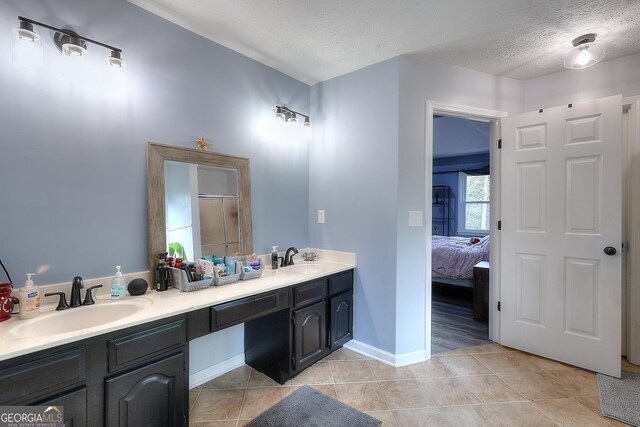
(309, 408)
(619, 398)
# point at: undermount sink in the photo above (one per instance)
(302, 269)
(79, 318)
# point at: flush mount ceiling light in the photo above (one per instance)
(67, 41)
(585, 53)
(288, 115)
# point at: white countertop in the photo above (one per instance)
(157, 305)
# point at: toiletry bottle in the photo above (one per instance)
(29, 299)
(162, 273)
(274, 258)
(117, 285)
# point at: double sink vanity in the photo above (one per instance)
(120, 363)
(126, 362)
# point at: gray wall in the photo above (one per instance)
(73, 146)
(353, 177)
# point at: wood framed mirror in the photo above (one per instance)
(199, 200)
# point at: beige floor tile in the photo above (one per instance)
(533, 386)
(470, 416)
(232, 423)
(382, 371)
(241, 423)
(569, 413)
(328, 389)
(423, 417)
(385, 416)
(593, 403)
(405, 394)
(350, 371)
(362, 396)
(432, 368)
(236, 379)
(320, 373)
(504, 363)
(540, 364)
(448, 391)
(577, 382)
(490, 389)
(626, 366)
(519, 414)
(258, 400)
(193, 396)
(217, 405)
(260, 380)
(346, 354)
(484, 348)
(464, 365)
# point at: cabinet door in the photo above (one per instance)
(341, 320)
(310, 335)
(74, 405)
(152, 396)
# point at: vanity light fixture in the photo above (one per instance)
(288, 115)
(67, 41)
(585, 53)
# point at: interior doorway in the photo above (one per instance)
(460, 226)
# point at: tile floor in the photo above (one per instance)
(487, 385)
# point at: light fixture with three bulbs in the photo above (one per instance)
(290, 116)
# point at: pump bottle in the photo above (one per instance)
(274, 258)
(29, 299)
(117, 285)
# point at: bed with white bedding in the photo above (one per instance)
(453, 258)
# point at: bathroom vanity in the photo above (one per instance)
(135, 371)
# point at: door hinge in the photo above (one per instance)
(499, 306)
(499, 225)
(500, 144)
(184, 365)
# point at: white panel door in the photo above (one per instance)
(561, 207)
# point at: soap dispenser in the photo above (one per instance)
(117, 285)
(29, 299)
(274, 258)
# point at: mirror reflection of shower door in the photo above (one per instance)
(219, 226)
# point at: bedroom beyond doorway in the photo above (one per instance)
(460, 230)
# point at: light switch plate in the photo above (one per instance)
(320, 216)
(415, 219)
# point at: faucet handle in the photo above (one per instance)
(88, 297)
(62, 302)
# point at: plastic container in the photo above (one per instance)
(178, 279)
(29, 299)
(118, 288)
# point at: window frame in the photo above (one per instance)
(462, 207)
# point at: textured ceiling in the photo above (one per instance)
(315, 40)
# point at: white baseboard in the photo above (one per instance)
(396, 360)
(216, 370)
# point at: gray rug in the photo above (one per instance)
(306, 407)
(620, 398)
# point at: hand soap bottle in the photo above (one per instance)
(117, 285)
(29, 299)
(274, 258)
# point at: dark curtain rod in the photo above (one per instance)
(480, 171)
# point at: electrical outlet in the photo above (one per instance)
(320, 216)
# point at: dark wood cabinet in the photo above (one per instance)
(309, 335)
(152, 396)
(481, 291)
(74, 405)
(341, 320)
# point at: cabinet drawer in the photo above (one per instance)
(341, 282)
(134, 348)
(43, 377)
(309, 292)
(235, 312)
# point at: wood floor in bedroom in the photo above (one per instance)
(453, 327)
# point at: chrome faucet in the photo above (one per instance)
(288, 259)
(75, 291)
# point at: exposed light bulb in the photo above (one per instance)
(584, 56)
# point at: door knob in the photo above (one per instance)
(610, 250)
